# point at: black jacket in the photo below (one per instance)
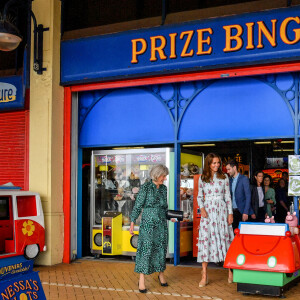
(255, 199)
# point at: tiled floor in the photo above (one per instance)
(103, 279)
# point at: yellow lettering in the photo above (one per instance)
(158, 49)
(173, 45)
(187, 43)
(229, 38)
(270, 37)
(202, 41)
(250, 36)
(283, 29)
(11, 293)
(5, 296)
(135, 53)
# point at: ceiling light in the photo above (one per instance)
(283, 150)
(200, 145)
(263, 143)
(10, 37)
(123, 148)
(287, 142)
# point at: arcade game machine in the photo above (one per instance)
(275, 166)
(191, 166)
(276, 174)
(264, 257)
(117, 176)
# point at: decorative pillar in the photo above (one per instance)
(46, 130)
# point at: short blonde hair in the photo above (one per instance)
(157, 171)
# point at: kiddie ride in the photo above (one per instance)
(265, 258)
(22, 237)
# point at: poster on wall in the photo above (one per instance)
(294, 175)
(294, 165)
(294, 186)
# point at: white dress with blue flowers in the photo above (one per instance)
(215, 235)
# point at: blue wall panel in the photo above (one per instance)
(123, 117)
(237, 109)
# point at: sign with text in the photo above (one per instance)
(18, 281)
(252, 38)
(15, 268)
(11, 93)
(23, 287)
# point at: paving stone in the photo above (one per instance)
(102, 279)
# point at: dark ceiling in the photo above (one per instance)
(18, 14)
(78, 14)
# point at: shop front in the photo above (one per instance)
(169, 95)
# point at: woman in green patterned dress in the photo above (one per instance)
(269, 195)
(153, 232)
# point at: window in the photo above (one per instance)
(4, 208)
(26, 206)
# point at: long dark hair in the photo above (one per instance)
(207, 174)
(255, 175)
(271, 180)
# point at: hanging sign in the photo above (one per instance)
(276, 162)
(11, 93)
(253, 38)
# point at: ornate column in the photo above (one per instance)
(46, 130)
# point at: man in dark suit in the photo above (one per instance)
(240, 194)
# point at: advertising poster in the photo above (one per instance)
(294, 186)
(294, 165)
(294, 175)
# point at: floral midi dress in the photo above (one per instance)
(215, 235)
(153, 235)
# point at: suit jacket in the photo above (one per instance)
(242, 195)
(255, 199)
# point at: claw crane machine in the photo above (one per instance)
(116, 177)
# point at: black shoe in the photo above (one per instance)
(162, 284)
(144, 291)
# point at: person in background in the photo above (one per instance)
(215, 232)
(258, 203)
(290, 199)
(285, 177)
(153, 234)
(282, 206)
(240, 194)
(269, 195)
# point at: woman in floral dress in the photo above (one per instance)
(215, 233)
(153, 234)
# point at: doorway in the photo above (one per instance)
(269, 156)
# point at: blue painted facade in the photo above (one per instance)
(215, 110)
(248, 39)
(252, 107)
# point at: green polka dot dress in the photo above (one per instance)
(153, 234)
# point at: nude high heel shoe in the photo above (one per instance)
(230, 278)
(204, 282)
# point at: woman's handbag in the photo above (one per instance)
(175, 214)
